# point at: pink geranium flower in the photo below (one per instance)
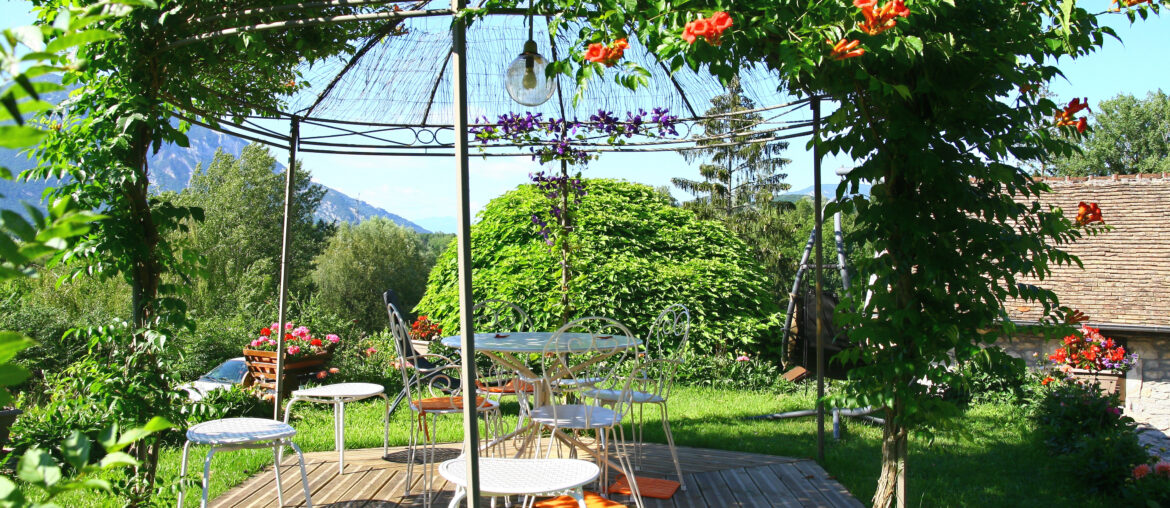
(743, 358)
(288, 326)
(1141, 471)
(333, 338)
(292, 350)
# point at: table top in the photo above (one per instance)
(341, 390)
(522, 476)
(534, 342)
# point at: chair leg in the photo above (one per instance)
(386, 424)
(279, 486)
(304, 476)
(460, 493)
(411, 449)
(670, 443)
(206, 476)
(183, 472)
(624, 461)
(579, 495)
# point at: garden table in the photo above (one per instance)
(523, 477)
(508, 348)
(338, 395)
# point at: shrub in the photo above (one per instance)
(1148, 485)
(731, 371)
(992, 375)
(637, 254)
(1095, 443)
(234, 402)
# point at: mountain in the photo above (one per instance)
(171, 169)
(828, 192)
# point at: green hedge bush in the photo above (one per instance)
(636, 254)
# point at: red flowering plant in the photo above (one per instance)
(1091, 351)
(425, 329)
(298, 341)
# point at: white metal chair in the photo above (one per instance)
(238, 434)
(522, 477)
(339, 394)
(576, 361)
(499, 316)
(654, 376)
(430, 392)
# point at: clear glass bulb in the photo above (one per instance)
(525, 79)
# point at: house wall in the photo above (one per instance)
(1147, 385)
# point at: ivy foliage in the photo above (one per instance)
(637, 255)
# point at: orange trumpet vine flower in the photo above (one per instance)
(880, 19)
(1064, 117)
(846, 49)
(1088, 213)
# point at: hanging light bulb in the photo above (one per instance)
(525, 79)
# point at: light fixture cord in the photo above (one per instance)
(530, 22)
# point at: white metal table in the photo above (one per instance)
(503, 348)
(338, 395)
(522, 477)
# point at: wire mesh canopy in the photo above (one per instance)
(393, 95)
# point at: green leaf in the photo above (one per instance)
(12, 374)
(76, 449)
(12, 343)
(117, 459)
(9, 492)
(18, 136)
(37, 467)
(79, 38)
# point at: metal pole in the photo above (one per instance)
(470, 420)
(289, 179)
(818, 226)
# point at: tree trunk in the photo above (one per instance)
(891, 488)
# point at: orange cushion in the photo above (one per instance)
(592, 500)
(509, 387)
(648, 487)
(444, 403)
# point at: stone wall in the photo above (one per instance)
(1147, 385)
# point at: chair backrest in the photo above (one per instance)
(581, 356)
(666, 346)
(423, 375)
(494, 315)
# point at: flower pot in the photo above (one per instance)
(421, 347)
(7, 418)
(1109, 382)
(262, 368)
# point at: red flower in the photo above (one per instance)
(878, 20)
(721, 21)
(594, 53)
(265, 331)
(315, 342)
(845, 49)
(1047, 380)
(1141, 471)
(1088, 213)
(702, 28)
(288, 337)
(1064, 117)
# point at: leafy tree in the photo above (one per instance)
(924, 92)
(362, 261)
(122, 111)
(240, 235)
(639, 254)
(1129, 135)
(741, 175)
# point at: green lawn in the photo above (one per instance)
(998, 466)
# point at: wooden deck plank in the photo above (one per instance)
(804, 490)
(772, 487)
(715, 491)
(827, 486)
(744, 489)
(714, 478)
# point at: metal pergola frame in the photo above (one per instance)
(425, 139)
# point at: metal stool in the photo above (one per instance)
(339, 394)
(239, 434)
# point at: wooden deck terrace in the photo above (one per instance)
(714, 478)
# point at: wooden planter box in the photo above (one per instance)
(1109, 383)
(262, 369)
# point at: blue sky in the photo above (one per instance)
(422, 188)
